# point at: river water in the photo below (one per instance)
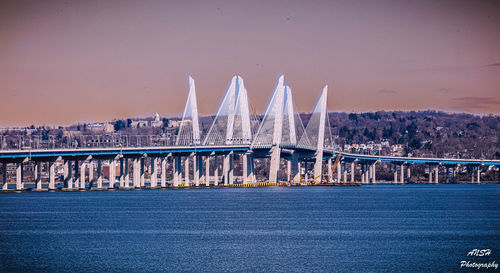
(379, 228)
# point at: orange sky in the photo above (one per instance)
(64, 62)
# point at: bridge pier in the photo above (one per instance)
(38, 175)
(142, 179)
(207, 171)
(4, 175)
(19, 176)
(77, 173)
(99, 173)
(126, 178)
(177, 163)
(364, 173)
(52, 175)
(163, 175)
(430, 174)
(306, 171)
(374, 174)
(228, 169)
(82, 175)
(247, 169)
(186, 171)
(408, 175)
(136, 173)
(68, 176)
(454, 174)
(154, 174)
(436, 174)
(330, 173)
(295, 168)
(352, 171)
(91, 174)
(112, 173)
(402, 181)
(197, 169)
(345, 172)
(121, 178)
(395, 173)
(339, 172)
(274, 164)
(478, 174)
(216, 170)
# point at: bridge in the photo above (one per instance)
(279, 137)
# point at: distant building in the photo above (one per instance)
(139, 124)
(101, 127)
(156, 122)
(174, 123)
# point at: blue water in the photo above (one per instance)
(381, 228)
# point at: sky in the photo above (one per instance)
(65, 62)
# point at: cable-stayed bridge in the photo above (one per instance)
(279, 137)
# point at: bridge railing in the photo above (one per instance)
(83, 141)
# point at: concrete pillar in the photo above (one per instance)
(99, 173)
(252, 169)
(38, 175)
(19, 176)
(436, 174)
(295, 168)
(478, 174)
(454, 174)
(4, 174)
(339, 172)
(122, 173)
(82, 175)
(472, 173)
(288, 171)
(207, 170)
(68, 174)
(395, 174)
(274, 165)
(250, 174)
(306, 171)
(447, 174)
(52, 175)
(368, 173)
(345, 172)
(430, 174)
(216, 171)
(408, 174)
(186, 171)
(329, 172)
(363, 173)
(136, 170)
(201, 172)
(154, 172)
(112, 173)
(77, 173)
(246, 169)
(231, 169)
(352, 172)
(91, 174)
(402, 174)
(142, 172)
(228, 169)
(196, 170)
(126, 179)
(163, 176)
(177, 163)
(374, 179)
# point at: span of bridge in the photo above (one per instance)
(280, 135)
